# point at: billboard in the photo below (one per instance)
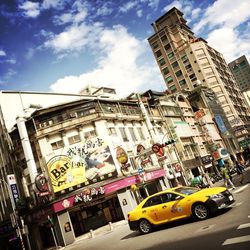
(81, 163)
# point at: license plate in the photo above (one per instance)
(230, 197)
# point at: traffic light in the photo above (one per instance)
(169, 142)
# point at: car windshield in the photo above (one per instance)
(186, 190)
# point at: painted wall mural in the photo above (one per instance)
(86, 162)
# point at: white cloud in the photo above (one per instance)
(182, 5)
(153, 3)
(139, 13)
(31, 9)
(224, 21)
(76, 15)
(103, 11)
(73, 38)
(11, 61)
(51, 3)
(2, 53)
(226, 13)
(118, 66)
(235, 45)
(128, 6)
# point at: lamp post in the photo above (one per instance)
(18, 230)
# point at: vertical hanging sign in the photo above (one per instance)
(13, 187)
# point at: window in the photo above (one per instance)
(164, 38)
(123, 134)
(170, 197)
(155, 45)
(112, 131)
(169, 79)
(141, 133)
(175, 64)
(58, 144)
(173, 88)
(90, 134)
(158, 53)
(182, 82)
(167, 47)
(162, 61)
(155, 200)
(178, 73)
(165, 71)
(171, 55)
(132, 133)
(184, 58)
(74, 139)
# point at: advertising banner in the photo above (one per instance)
(88, 162)
(13, 187)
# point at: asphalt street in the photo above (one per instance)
(227, 230)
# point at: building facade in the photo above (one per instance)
(186, 62)
(82, 164)
(241, 70)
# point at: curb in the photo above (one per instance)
(101, 230)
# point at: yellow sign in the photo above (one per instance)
(88, 162)
(65, 173)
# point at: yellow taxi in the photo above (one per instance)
(178, 203)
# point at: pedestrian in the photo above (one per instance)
(229, 166)
(226, 177)
(206, 179)
(240, 171)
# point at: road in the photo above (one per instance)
(227, 230)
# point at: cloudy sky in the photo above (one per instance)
(66, 45)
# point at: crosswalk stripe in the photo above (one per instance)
(236, 240)
(240, 189)
(244, 226)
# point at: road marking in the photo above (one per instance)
(248, 216)
(236, 204)
(236, 240)
(205, 228)
(244, 226)
(240, 189)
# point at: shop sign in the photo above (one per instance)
(177, 167)
(220, 124)
(244, 143)
(41, 184)
(123, 159)
(13, 187)
(206, 159)
(199, 114)
(88, 194)
(127, 182)
(84, 162)
(143, 158)
(216, 155)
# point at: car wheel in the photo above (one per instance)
(200, 211)
(145, 226)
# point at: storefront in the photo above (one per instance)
(96, 206)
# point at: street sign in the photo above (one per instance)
(156, 147)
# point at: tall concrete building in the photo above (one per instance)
(241, 71)
(187, 62)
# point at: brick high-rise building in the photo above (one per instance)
(187, 62)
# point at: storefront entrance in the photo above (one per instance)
(84, 218)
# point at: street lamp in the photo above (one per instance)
(18, 230)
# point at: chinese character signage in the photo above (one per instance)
(84, 162)
(13, 187)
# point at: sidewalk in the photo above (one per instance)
(105, 229)
(93, 233)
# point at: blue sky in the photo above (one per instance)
(66, 45)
